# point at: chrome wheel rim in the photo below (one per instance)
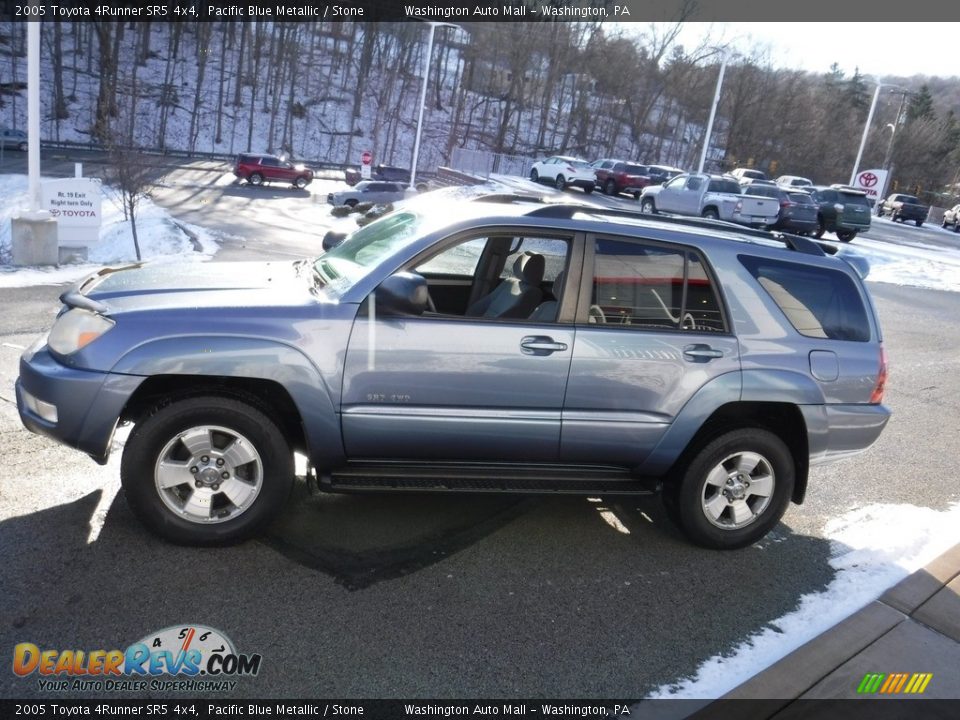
(208, 474)
(738, 490)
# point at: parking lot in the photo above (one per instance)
(436, 596)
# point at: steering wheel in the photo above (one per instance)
(595, 315)
(688, 322)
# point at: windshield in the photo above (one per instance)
(341, 267)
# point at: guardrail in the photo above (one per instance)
(195, 155)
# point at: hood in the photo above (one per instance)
(194, 284)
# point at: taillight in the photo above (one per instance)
(739, 206)
(786, 204)
(877, 396)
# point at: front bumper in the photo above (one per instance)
(88, 404)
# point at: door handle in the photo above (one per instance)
(540, 345)
(701, 352)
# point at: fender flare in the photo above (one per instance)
(242, 357)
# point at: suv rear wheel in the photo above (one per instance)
(255, 179)
(734, 490)
(610, 188)
(648, 206)
(300, 183)
(206, 470)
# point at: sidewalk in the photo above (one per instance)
(913, 628)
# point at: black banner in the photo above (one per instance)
(874, 709)
(463, 11)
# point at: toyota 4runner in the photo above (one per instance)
(497, 345)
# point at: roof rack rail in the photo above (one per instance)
(509, 198)
(793, 242)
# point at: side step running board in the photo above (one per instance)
(445, 477)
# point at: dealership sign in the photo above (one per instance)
(75, 203)
(872, 182)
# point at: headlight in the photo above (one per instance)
(76, 329)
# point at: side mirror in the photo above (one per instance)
(332, 239)
(403, 293)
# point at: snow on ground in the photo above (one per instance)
(160, 238)
(873, 548)
(909, 263)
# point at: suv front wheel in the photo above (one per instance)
(734, 490)
(206, 470)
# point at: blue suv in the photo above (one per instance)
(494, 345)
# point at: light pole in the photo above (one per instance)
(866, 131)
(423, 99)
(866, 128)
(713, 110)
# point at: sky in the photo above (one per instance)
(919, 48)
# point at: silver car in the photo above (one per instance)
(15, 139)
(373, 191)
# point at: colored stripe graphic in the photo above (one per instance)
(894, 683)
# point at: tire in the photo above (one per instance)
(610, 187)
(713, 501)
(943, 223)
(300, 183)
(846, 235)
(352, 202)
(534, 175)
(818, 233)
(895, 217)
(648, 206)
(588, 189)
(879, 211)
(246, 455)
(710, 214)
(255, 179)
(956, 227)
(560, 183)
(918, 223)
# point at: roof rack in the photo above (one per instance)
(793, 242)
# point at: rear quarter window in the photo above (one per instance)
(818, 302)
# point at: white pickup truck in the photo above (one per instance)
(710, 196)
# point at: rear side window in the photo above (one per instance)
(818, 302)
(721, 185)
(653, 288)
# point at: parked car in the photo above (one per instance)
(387, 173)
(618, 176)
(952, 217)
(798, 212)
(488, 346)
(841, 210)
(743, 175)
(15, 139)
(562, 171)
(794, 181)
(901, 207)
(659, 174)
(716, 197)
(369, 191)
(258, 169)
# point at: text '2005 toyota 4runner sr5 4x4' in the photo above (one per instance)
(500, 345)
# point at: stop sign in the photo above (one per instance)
(367, 157)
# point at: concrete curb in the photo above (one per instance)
(928, 599)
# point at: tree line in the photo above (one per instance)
(328, 90)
